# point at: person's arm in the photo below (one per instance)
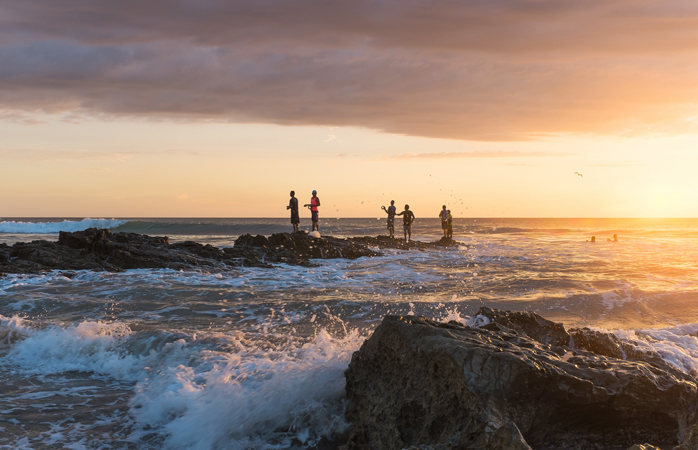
(318, 201)
(399, 214)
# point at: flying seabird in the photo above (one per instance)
(579, 174)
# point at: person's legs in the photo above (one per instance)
(316, 221)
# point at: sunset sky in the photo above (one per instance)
(203, 108)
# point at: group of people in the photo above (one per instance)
(313, 205)
(407, 216)
(407, 220)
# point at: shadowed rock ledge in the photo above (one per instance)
(515, 382)
(95, 249)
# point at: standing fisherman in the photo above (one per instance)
(449, 230)
(293, 206)
(391, 218)
(314, 203)
(408, 218)
(444, 220)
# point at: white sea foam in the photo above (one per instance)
(243, 399)
(203, 391)
(452, 315)
(676, 345)
(13, 227)
(89, 346)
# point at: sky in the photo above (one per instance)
(212, 108)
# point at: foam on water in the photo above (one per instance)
(89, 346)
(254, 358)
(251, 398)
(12, 227)
(202, 390)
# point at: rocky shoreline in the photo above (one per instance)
(102, 250)
(517, 381)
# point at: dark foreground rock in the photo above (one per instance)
(96, 249)
(512, 383)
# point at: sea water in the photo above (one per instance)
(255, 358)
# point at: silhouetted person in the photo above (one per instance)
(444, 219)
(615, 238)
(293, 206)
(314, 203)
(407, 220)
(593, 239)
(390, 211)
(449, 229)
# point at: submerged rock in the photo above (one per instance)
(513, 383)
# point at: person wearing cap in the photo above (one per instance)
(293, 206)
(314, 203)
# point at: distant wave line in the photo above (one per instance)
(12, 227)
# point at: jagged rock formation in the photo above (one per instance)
(96, 249)
(512, 383)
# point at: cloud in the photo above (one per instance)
(478, 154)
(462, 69)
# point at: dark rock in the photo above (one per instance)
(252, 241)
(605, 344)
(95, 249)
(78, 240)
(529, 324)
(416, 382)
(384, 242)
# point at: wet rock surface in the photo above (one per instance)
(98, 249)
(512, 382)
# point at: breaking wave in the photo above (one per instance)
(12, 227)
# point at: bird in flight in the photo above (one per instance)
(579, 174)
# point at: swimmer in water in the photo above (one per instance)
(314, 203)
(390, 211)
(593, 239)
(615, 238)
(293, 206)
(408, 219)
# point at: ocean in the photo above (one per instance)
(255, 358)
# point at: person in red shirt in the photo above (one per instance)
(314, 203)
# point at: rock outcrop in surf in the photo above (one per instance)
(100, 249)
(516, 381)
